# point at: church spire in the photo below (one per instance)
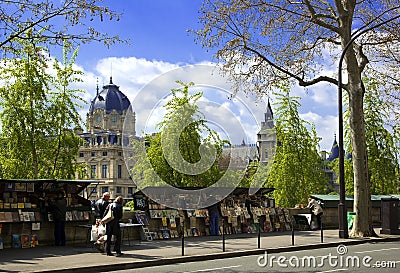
(269, 115)
(334, 150)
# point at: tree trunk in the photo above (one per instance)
(362, 226)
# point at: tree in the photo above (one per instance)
(53, 22)
(184, 152)
(297, 169)
(261, 42)
(382, 151)
(36, 134)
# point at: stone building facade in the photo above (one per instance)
(101, 144)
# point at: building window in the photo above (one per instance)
(93, 190)
(104, 169)
(104, 189)
(130, 190)
(119, 171)
(93, 141)
(81, 155)
(93, 171)
(119, 153)
(104, 140)
(118, 190)
(104, 153)
(93, 153)
(113, 118)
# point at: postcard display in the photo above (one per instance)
(240, 214)
(168, 223)
(25, 218)
(246, 214)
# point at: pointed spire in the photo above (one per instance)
(269, 115)
(111, 80)
(97, 86)
(334, 150)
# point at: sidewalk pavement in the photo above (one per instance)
(85, 258)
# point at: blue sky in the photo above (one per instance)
(161, 45)
(157, 30)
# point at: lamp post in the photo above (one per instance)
(343, 229)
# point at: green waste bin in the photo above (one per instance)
(350, 219)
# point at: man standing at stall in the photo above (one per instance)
(213, 211)
(58, 208)
(101, 205)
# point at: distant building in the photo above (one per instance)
(332, 177)
(101, 145)
(241, 155)
(266, 137)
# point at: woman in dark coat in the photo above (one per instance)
(113, 228)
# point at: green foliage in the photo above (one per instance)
(130, 205)
(38, 114)
(382, 150)
(297, 169)
(348, 174)
(184, 153)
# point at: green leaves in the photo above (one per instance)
(185, 151)
(297, 170)
(38, 115)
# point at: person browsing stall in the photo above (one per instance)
(101, 205)
(58, 208)
(113, 228)
(316, 209)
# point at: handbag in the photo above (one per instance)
(109, 216)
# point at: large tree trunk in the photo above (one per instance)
(362, 226)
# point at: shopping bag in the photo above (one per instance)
(109, 216)
(93, 234)
(101, 230)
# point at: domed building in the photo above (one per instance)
(101, 146)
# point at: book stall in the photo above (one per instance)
(25, 219)
(240, 213)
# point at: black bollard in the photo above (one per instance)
(259, 233)
(292, 235)
(223, 235)
(183, 238)
(322, 233)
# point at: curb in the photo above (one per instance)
(221, 255)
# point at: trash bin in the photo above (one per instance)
(350, 219)
(389, 216)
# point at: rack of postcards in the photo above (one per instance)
(164, 221)
(198, 223)
(24, 216)
(240, 212)
(168, 223)
(245, 214)
(19, 213)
